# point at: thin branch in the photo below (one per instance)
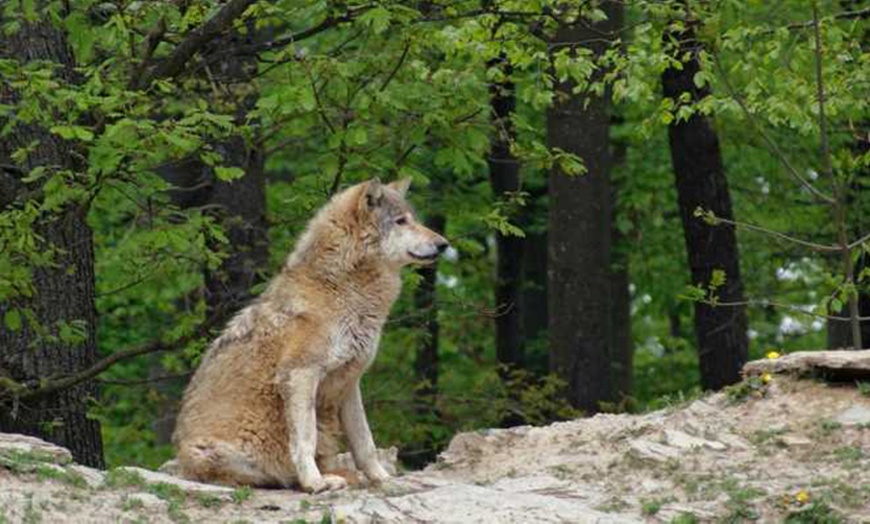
(858, 242)
(51, 385)
(395, 70)
(780, 305)
(783, 236)
(767, 140)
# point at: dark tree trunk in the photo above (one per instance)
(64, 291)
(504, 176)
(425, 300)
(701, 182)
(426, 358)
(239, 206)
(621, 343)
(533, 300)
(840, 333)
(580, 221)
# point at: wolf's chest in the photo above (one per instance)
(355, 340)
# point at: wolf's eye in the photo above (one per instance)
(402, 221)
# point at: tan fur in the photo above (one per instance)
(275, 391)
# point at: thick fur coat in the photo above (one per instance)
(274, 392)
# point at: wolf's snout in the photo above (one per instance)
(441, 245)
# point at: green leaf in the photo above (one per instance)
(228, 174)
(12, 319)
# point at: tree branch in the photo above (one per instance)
(752, 227)
(194, 42)
(18, 391)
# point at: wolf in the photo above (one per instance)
(272, 394)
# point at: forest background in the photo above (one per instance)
(640, 197)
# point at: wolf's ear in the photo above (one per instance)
(373, 195)
(401, 185)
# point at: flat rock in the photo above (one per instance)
(678, 439)
(794, 441)
(647, 449)
(93, 477)
(13, 443)
(854, 415)
(464, 503)
(186, 485)
(845, 364)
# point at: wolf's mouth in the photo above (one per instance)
(423, 258)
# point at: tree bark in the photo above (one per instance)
(426, 361)
(504, 176)
(580, 221)
(64, 291)
(621, 343)
(701, 182)
(239, 206)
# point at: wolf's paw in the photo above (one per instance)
(326, 483)
(377, 474)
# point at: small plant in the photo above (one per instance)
(51, 472)
(207, 500)
(121, 477)
(131, 503)
(241, 494)
(650, 507)
(685, 518)
(829, 426)
(754, 387)
(849, 455)
(817, 512)
(863, 388)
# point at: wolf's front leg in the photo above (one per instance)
(299, 391)
(359, 436)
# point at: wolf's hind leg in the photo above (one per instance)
(223, 463)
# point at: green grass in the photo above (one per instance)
(121, 478)
(46, 472)
(241, 494)
(815, 513)
(685, 518)
(207, 500)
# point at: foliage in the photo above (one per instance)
(396, 89)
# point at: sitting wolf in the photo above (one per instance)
(273, 391)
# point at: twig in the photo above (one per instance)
(780, 305)
(395, 70)
(761, 229)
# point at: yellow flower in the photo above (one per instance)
(772, 355)
(802, 497)
(766, 378)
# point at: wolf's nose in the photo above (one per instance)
(442, 245)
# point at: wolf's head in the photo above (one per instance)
(395, 232)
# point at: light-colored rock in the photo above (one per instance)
(845, 363)
(647, 449)
(148, 501)
(679, 439)
(854, 415)
(93, 477)
(468, 503)
(186, 485)
(795, 441)
(13, 443)
(389, 459)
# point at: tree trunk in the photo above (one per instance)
(504, 176)
(579, 233)
(621, 342)
(426, 360)
(701, 182)
(63, 291)
(239, 206)
(533, 300)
